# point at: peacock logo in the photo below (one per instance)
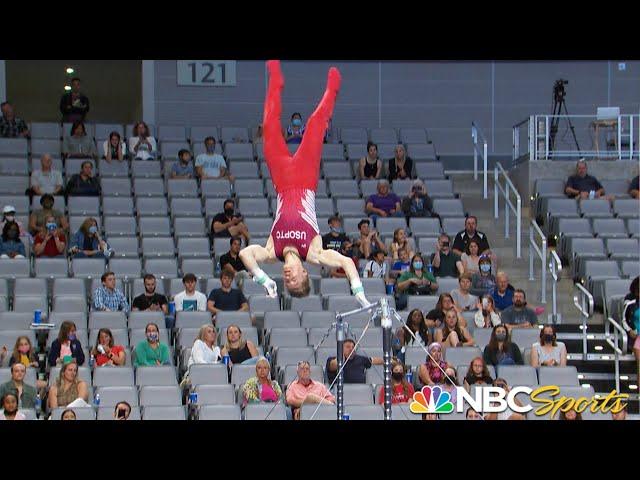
(431, 400)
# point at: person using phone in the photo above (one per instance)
(50, 242)
(122, 411)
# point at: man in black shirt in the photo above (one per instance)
(227, 299)
(231, 261)
(336, 236)
(74, 105)
(84, 183)
(150, 300)
(444, 261)
(581, 185)
(355, 369)
(228, 224)
(470, 233)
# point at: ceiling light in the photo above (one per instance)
(67, 88)
(70, 70)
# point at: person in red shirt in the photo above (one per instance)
(50, 242)
(402, 390)
(105, 352)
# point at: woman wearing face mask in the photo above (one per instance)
(478, 374)
(66, 345)
(400, 242)
(10, 408)
(68, 387)
(403, 339)
(452, 334)
(11, 246)
(548, 352)
(50, 242)
(105, 352)
(261, 388)
(295, 130)
(24, 353)
(486, 316)
(87, 242)
(401, 390)
(432, 371)
(370, 166)
(417, 281)
(113, 148)
(9, 216)
(501, 350)
(152, 352)
(471, 257)
(483, 282)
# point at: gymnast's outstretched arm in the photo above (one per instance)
(250, 257)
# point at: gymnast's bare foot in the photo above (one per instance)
(275, 73)
(334, 80)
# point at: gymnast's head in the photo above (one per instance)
(296, 277)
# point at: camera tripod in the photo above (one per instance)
(559, 102)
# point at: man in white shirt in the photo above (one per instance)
(46, 180)
(376, 267)
(190, 299)
(211, 164)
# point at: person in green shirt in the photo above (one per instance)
(151, 352)
(416, 281)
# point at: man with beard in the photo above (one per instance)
(519, 315)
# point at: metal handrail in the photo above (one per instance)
(583, 300)
(516, 138)
(506, 193)
(555, 267)
(617, 331)
(541, 253)
(476, 134)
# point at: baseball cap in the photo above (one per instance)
(8, 208)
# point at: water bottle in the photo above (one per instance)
(97, 400)
(38, 404)
(430, 267)
(217, 272)
(410, 377)
(346, 416)
(592, 194)
(92, 361)
(37, 316)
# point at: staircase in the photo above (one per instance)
(598, 370)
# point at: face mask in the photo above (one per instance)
(228, 212)
(548, 338)
(397, 375)
(417, 265)
(51, 226)
(296, 122)
(485, 268)
(24, 349)
(336, 229)
(10, 218)
(501, 337)
(152, 337)
(93, 230)
(72, 336)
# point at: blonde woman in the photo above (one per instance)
(452, 334)
(240, 351)
(68, 387)
(261, 388)
(204, 348)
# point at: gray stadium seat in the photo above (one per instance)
(617, 187)
(258, 226)
(241, 373)
(164, 375)
(324, 412)
(173, 133)
(426, 170)
(15, 268)
(192, 319)
(189, 226)
(439, 188)
(348, 207)
(365, 412)
(173, 412)
(139, 319)
(158, 247)
(288, 337)
(461, 356)
(234, 134)
(422, 302)
(13, 146)
(260, 304)
(117, 206)
(150, 206)
(387, 225)
(161, 267)
(358, 394)
(307, 304)
(206, 374)
(125, 267)
(626, 208)
(448, 207)
(334, 286)
(595, 208)
(413, 135)
(63, 304)
(344, 189)
(254, 207)
(215, 188)
(265, 411)
(149, 187)
(353, 135)
(85, 206)
(622, 248)
(124, 246)
(561, 376)
(155, 226)
(114, 168)
(13, 185)
(157, 395)
(518, 374)
(429, 227)
(447, 284)
(31, 303)
(216, 394)
(421, 152)
(219, 412)
(113, 377)
(333, 170)
(610, 228)
(525, 337)
(281, 319)
(249, 188)
(120, 226)
(182, 187)
(112, 320)
(292, 355)
(116, 187)
(106, 413)
(51, 267)
(146, 169)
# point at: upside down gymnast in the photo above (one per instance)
(295, 235)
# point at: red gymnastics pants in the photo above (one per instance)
(302, 170)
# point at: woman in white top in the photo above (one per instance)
(486, 316)
(471, 257)
(548, 352)
(204, 348)
(142, 145)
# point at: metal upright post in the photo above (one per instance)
(340, 360)
(386, 355)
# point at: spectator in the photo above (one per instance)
(204, 349)
(376, 267)
(506, 414)
(66, 346)
(336, 236)
(450, 383)
(107, 298)
(240, 350)
(190, 300)
(78, 144)
(432, 371)
(11, 247)
(369, 240)
(401, 390)
(114, 148)
(452, 334)
(74, 105)
(503, 293)
(183, 168)
(471, 414)
(478, 374)
(84, 184)
(10, 125)
(445, 262)
(417, 281)
(486, 316)
(9, 216)
(631, 317)
(370, 166)
(581, 185)
(38, 216)
(152, 352)
(400, 166)
(295, 130)
(225, 298)
(383, 204)
(24, 353)
(471, 257)
(68, 387)
(231, 261)
(306, 390)
(418, 203)
(105, 352)
(620, 415)
(435, 317)
(25, 393)
(403, 264)
(141, 144)
(548, 352)
(354, 370)
(417, 326)
(261, 388)
(211, 164)
(258, 135)
(501, 350)
(570, 415)
(634, 187)
(152, 301)
(462, 299)
(400, 241)
(470, 233)
(46, 180)
(348, 251)
(122, 411)
(483, 283)
(519, 315)
(87, 241)
(228, 224)
(9, 403)
(68, 414)
(50, 242)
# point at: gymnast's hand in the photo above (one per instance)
(362, 300)
(271, 287)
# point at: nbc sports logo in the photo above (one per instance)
(431, 400)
